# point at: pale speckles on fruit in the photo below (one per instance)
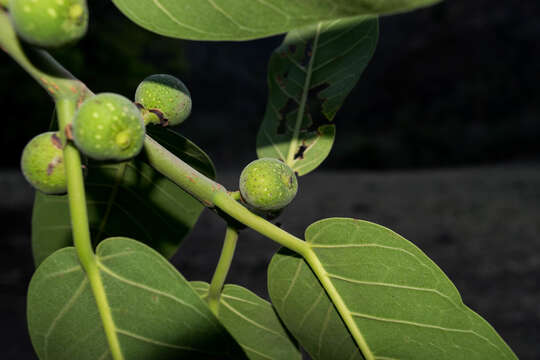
(268, 184)
(42, 163)
(75, 11)
(52, 13)
(109, 127)
(164, 99)
(49, 23)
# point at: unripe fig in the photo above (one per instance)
(164, 100)
(108, 127)
(268, 184)
(49, 23)
(42, 163)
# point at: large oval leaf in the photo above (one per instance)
(309, 77)
(248, 19)
(253, 322)
(401, 303)
(126, 199)
(156, 313)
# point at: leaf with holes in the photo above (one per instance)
(126, 199)
(253, 322)
(156, 313)
(309, 77)
(249, 19)
(393, 301)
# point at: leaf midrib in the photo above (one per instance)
(343, 310)
(300, 115)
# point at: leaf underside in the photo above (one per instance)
(249, 19)
(126, 199)
(309, 77)
(403, 304)
(253, 323)
(156, 313)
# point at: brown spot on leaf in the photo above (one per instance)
(308, 52)
(300, 153)
(280, 81)
(286, 109)
(314, 107)
(56, 141)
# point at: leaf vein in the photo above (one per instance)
(150, 289)
(407, 287)
(253, 322)
(62, 312)
(159, 343)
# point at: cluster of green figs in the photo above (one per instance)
(106, 127)
(111, 127)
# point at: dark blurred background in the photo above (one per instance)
(440, 139)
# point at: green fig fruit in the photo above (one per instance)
(42, 163)
(49, 23)
(164, 100)
(268, 184)
(108, 127)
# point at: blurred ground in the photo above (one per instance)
(480, 225)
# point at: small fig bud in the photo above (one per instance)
(49, 23)
(108, 127)
(42, 163)
(164, 99)
(268, 184)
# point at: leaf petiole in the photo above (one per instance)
(222, 269)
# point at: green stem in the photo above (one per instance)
(56, 80)
(207, 192)
(222, 269)
(189, 179)
(236, 195)
(67, 93)
(81, 230)
(238, 212)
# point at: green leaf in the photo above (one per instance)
(126, 199)
(156, 313)
(402, 305)
(309, 78)
(249, 19)
(253, 322)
